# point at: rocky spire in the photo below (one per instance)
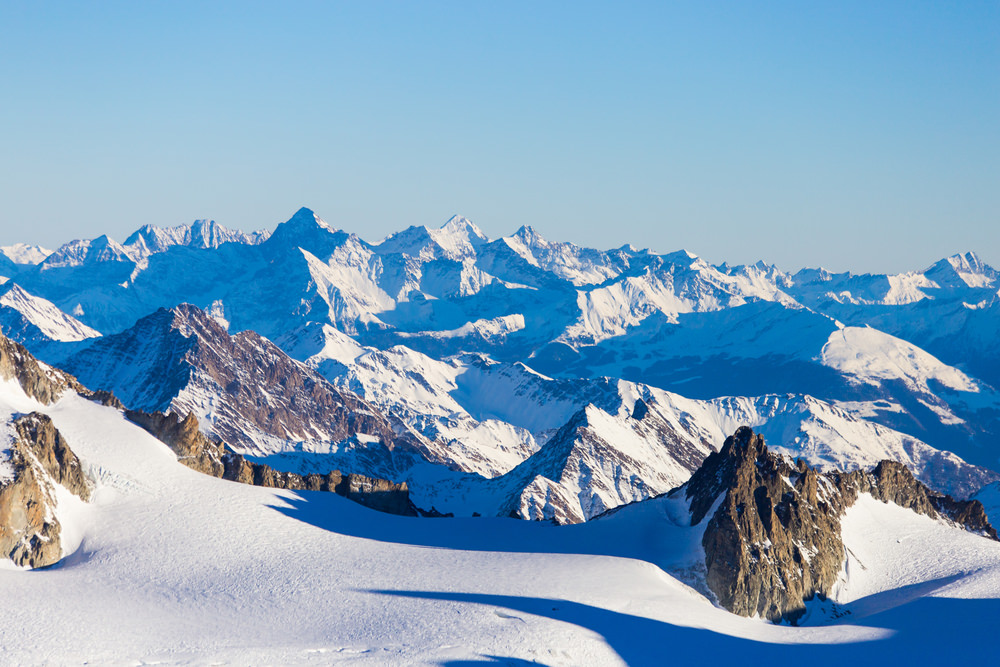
(773, 536)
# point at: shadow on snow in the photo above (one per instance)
(908, 626)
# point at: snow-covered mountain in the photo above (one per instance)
(493, 378)
(35, 322)
(241, 388)
(458, 239)
(23, 253)
(148, 239)
(481, 350)
(145, 241)
(468, 434)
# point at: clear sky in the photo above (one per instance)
(859, 136)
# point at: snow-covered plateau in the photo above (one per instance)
(536, 400)
(167, 565)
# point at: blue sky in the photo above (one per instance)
(858, 136)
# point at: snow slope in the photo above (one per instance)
(870, 356)
(34, 321)
(174, 567)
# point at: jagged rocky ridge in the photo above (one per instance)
(39, 381)
(243, 389)
(537, 448)
(772, 534)
(38, 458)
(197, 451)
(34, 460)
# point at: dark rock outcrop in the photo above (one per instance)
(38, 458)
(38, 435)
(39, 381)
(773, 537)
(197, 451)
(193, 448)
(105, 398)
(378, 494)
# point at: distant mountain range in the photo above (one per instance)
(518, 375)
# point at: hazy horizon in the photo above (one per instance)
(511, 232)
(850, 136)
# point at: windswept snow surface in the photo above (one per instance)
(881, 557)
(175, 567)
(170, 566)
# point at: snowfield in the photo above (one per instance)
(170, 566)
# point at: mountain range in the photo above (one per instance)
(438, 372)
(428, 324)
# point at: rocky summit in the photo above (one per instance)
(38, 458)
(772, 529)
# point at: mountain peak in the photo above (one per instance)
(305, 220)
(104, 249)
(968, 261)
(306, 216)
(461, 224)
(206, 234)
(205, 226)
(768, 521)
(682, 258)
(191, 320)
(962, 270)
(308, 231)
(456, 222)
(527, 233)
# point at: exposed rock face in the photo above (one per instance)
(773, 536)
(192, 447)
(182, 360)
(105, 398)
(39, 458)
(198, 452)
(378, 494)
(38, 435)
(39, 381)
